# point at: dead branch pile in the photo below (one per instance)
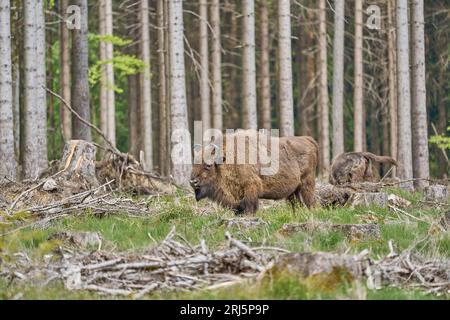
(176, 265)
(334, 196)
(172, 265)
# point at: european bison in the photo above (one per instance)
(239, 186)
(357, 167)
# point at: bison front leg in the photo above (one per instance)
(248, 205)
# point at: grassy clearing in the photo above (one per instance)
(121, 232)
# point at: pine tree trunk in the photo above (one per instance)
(80, 72)
(265, 66)
(66, 116)
(404, 156)
(216, 69)
(419, 98)
(204, 66)
(145, 84)
(249, 65)
(392, 65)
(133, 115)
(324, 139)
(162, 93)
(358, 98)
(181, 151)
(285, 72)
(34, 147)
(338, 78)
(8, 164)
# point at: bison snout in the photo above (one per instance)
(194, 183)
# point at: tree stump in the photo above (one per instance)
(436, 193)
(369, 198)
(76, 168)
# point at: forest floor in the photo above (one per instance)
(121, 232)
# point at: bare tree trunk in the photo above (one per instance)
(324, 139)
(34, 147)
(419, 98)
(107, 98)
(204, 66)
(249, 65)
(359, 121)
(265, 66)
(80, 72)
(181, 152)
(145, 92)
(133, 115)
(66, 117)
(162, 93)
(285, 73)
(404, 156)
(8, 164)
(338, 78)
(392, 66)
(217, 118)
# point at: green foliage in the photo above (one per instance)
(441, 141)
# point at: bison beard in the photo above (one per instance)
(239, 186)
(354, 167)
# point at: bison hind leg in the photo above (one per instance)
(307, 190)
(295, 199)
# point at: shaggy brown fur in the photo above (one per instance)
(357, 167)
(239, 186)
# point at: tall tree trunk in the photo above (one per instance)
(358, 98)
(204, 66)
(80, 73)
(285, 72)
(34, 147)
(217, 117)
(338, 78)
(145, 84)
(249, 65)
(404, 156)
(107, 98)
(133, 115)
(181, 152)
(265, 66)
(8, 164)
(66, 116)
(419, 98)
(162, 93)
(392, 66)
(324, 138)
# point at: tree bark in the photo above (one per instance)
(358, 98)
(421, 167)
(217, 116)
(205, 95)
(285, 72)
(324, 141)
(34, 147)
(338, 78)
(8, 164)
(392, 65)
(181, 154)
(265, 66)
(162, 93)
(249, 65)
(404, 157)
(66, 116)
(80, 72)
(145, 84)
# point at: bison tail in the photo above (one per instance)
(380, 159)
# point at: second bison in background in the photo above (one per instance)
(355, 167)
(239, 186)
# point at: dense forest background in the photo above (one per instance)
(123, 44)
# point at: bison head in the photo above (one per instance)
(204, 171)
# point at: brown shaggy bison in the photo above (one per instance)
(239, 186)
(357, 167)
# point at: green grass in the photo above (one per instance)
(123, 233)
